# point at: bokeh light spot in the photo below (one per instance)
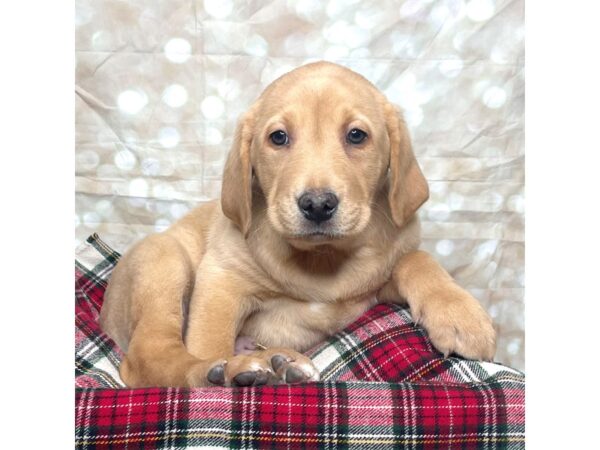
(256, 45)
(91, 219)
(104, 208)
(168, 137)
(444, 247)
(125, 160)
(212, 107)
(219, 9)
(514, 346)
(494, 97)
(132, 101)
(178, 50)
(480, 10)
(175, 96)
(138, 187)
(213, 136)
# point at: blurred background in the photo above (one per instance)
(160, 85)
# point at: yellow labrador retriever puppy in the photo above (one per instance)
(316, 223)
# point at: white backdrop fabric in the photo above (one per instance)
(160, 85)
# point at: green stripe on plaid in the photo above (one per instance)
(384, 386)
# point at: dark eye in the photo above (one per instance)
(356, 136)
(279, 138)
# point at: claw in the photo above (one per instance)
(416, 319)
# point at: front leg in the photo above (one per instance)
(220, 304)
(453, 318)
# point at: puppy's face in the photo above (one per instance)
(320, 152)
(320, 142)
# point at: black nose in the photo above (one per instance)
(318, 206)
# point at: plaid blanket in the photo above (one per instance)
(383, 386)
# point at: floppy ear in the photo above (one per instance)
(408, 187)
(236, 190)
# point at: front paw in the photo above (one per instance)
(456, 323)
(270, 366)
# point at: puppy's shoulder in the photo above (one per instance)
(408, 238)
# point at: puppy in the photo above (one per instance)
(315, 224)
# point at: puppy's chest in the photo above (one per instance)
(301, 308)
(297, 324)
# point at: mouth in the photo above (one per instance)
(316, 236)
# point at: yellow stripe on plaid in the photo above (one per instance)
(311, 440)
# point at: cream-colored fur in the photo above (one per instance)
(252, 265)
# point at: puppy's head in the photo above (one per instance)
(321, 142)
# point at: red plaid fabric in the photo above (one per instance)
(384, 386)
